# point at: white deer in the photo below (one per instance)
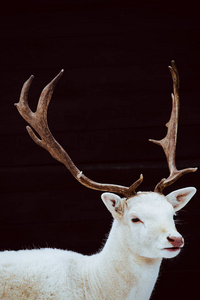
(142, 234)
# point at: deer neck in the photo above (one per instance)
(128, 272)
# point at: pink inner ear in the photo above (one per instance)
(179, 197)
(113, 202)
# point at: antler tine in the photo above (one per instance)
(46, 96)
(169, 142)
(24, 99)
(38, 121)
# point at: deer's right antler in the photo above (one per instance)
(38, 121)
(169, 142)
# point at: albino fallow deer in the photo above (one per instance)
(142, 234)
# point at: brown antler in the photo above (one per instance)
(38, 121)
(169, 142)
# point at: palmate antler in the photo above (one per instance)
(38, 121)
(169, 142)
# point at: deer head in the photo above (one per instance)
(150, 212)
(146, 221)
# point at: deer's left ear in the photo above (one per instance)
(180, 198)
(114, 204)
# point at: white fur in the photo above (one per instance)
(126, 268)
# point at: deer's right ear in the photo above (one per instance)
(114, 204)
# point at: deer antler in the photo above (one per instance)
(169, 142)
(38, 121)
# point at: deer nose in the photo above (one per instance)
(175, 241)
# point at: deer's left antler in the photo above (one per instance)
(169, 142)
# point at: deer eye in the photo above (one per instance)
(135, 220)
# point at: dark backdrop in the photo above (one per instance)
(113, 96)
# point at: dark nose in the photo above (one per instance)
(175, 241)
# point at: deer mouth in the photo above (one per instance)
(172, 249)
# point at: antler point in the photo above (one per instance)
(31, 78)
(155, 142)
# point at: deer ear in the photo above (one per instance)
(179, 198)
(114, 204)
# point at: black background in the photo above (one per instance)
(113, 97)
